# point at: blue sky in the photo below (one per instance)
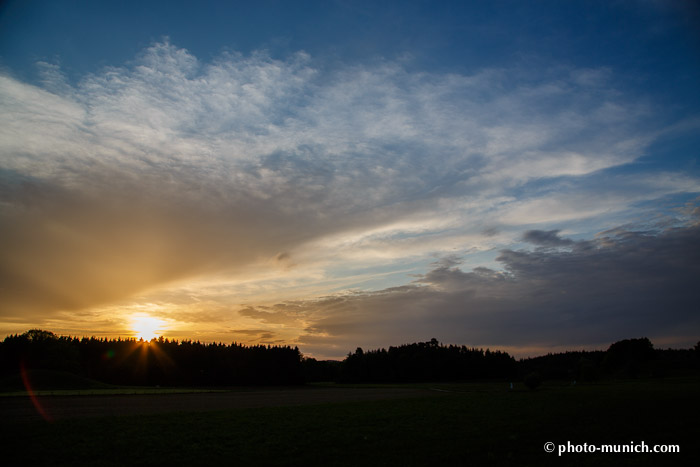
(335, 174)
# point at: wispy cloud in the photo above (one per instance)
(169, 169)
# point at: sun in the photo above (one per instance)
(147, 327)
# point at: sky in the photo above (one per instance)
(511, 175)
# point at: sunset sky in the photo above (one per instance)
(519, 175)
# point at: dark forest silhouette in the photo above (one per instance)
(431, 361)
(157, 362)
(186, 363)
(426, 361)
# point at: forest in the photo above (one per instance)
(172, 363)
(159, 362)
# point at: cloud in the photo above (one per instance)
(280, 314)
(613, 287)
(546, 238)
(169, 169)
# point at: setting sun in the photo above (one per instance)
(147, 327)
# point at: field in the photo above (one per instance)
(438, 424)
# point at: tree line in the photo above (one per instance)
(157, 362)
(425, 361)
(191, 363)
(628, 358)
(432, 361)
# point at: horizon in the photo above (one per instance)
(333, 175)
(156, 339)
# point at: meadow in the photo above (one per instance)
(448, 424)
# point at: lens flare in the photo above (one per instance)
(32, 395)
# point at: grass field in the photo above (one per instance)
(472, 424)
(136, 390)
(59, 383)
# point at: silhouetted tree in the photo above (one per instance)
(158, 362)
(425, 361)
(629, 357)
(192, 363)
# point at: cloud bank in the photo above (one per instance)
(146, 177)
(588, 292)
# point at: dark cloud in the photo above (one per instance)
(549, 238)
(601, 290)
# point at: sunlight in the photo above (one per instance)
(147, 327)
